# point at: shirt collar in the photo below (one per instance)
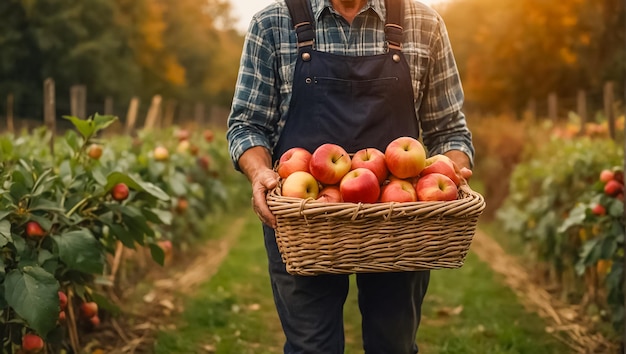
(319, 6)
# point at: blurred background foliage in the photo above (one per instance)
(509, 52)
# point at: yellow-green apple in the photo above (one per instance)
(329, 163)
(88, 309)
(161, 153)
(119, 192)
(33, 229)
(436, 187)
(405, 157)
(94, 151)
(330, 194)
(441, 164)
(183, 146)
(372, 159)
(300, 184)
(613, 187)
(359, 186)
(292, 160)
(398, 190)
(32, 343)
(606, 175)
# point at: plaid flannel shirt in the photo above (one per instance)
(264, 84)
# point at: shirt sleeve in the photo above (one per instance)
(254, 114)
(443, 123)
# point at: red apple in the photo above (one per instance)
(294, 159)
(405, 156)
(33, 229)
(372, 159)
(613, 187)
(329, 163)
(94, 151)
(182, 134)
(204, 162)
(119, 192)
(398, 190)
(619, 176)
(62, 317)
(606, 175)
(436, 187)
(598, 209)
(300, 184)
(441, 164)
(95, 321)
(62, 300)
(208, 135)
(360, 186)
(32, 343)
(161, 153)
(182, 205)
(88, 309)
(330, 194)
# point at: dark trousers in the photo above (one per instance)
(311, 308)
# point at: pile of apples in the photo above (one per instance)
(401, 173)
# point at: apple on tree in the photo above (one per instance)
(292, 160)
(88, 309)
(120, 192)
(613, 187)
(606, 175)
(94, 151)
(405, 157)
(32, 343)
(360, 186)
(436, 187)
(372, 159)
(300, 184)
(33, 229)
(329, 163)
(330, 194)
(398, 190)
(161, 153)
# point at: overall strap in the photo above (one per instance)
(394, 22)
(302, 18)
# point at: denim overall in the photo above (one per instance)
(355, 102)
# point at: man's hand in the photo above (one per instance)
(256, 164)
(461, 164)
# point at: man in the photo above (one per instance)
(358, 73)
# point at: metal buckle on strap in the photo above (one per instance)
(396, 31)
(306, 43)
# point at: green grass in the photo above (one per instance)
(234, 312)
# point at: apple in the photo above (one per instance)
(182, 134)
(161, 153)
(613, 187)
(194, 149)
(88, 309)
(208, 135)
(95, 321)
(62, 317)
(598, 209)
(606, 175)
(62, 300)
(372, 159)
(300, 184)
(330, 194)
(182, 205)
(204, 162)
(360, 186)
(441, 164)
(292, 160)
(398, 190)
(329, 163)
(183, 146)
(33, 229)
(32, 343)
(436, 187)
(619, 176)
(94, 151)
(405, 156)
(120, 192)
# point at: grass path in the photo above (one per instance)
(467, 310)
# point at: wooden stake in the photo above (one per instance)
(49, 107)
(153, 113)
(131, 116)
(608, 107)
(553, 107)
(582, 110)
(199, 114)
(108, 106)
(78, 101)
(10, 122)
(168, 115)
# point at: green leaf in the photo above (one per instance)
(616, 209)
(157, 253)
(80, 250)
(135, 184)
(85, 127)
(127, 238)
(4, 214)
(5, 233)
(158, 216)
(103, 121)
(576, 217)
(32, 293)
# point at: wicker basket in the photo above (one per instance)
(344, 238)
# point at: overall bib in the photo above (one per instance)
(355, 102)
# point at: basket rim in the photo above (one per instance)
(470, 204)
